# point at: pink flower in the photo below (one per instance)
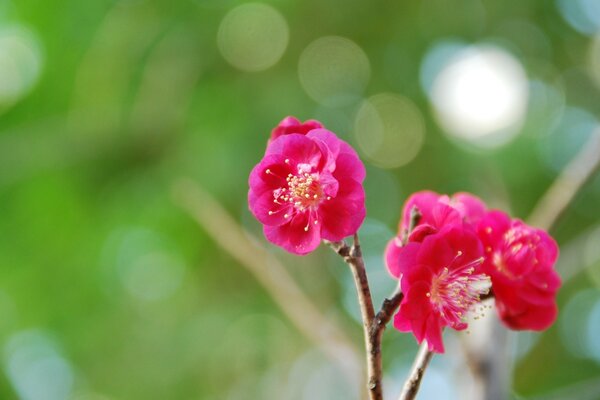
(520, 260)
(291, 125)
(437, 211)
(308, 188)
(442, 281)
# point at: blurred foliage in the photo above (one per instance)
(110, 291)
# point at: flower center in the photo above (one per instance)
(303, 191)
(455, 290)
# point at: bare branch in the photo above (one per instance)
(564, 189)
(353, 257)
(412, 384)
(270, 273)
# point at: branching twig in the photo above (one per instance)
(373, 324)
(412, 384)
(353, 257)
(270, 273)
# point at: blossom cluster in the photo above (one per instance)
(459, 251)
(449, 252)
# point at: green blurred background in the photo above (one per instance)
(109, 290)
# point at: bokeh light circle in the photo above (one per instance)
(389, 130)
(480, 95)
(334, 71)
(582, 15)
(253, 36)
(20, 63)
(567, 137)
(579, 323)
(35, 367)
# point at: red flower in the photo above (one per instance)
(442, 281)
(437, 211)
(291, 125)
(308, 188)
(520, 260)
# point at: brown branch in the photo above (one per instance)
(270, 273)
(353, 257)
(566, 186)
(373, 324)
(412, 384)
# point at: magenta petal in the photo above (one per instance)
(293, 237)
(433, 334)
(268, 212)
(492, 227)
(290, 125)
(259, 180)
(329, 184)
(402, 323)
(424, 201)
(470, 207)
(392, 256)
(533, 318)
(342, 215)
(399, 259)
(349, 166)
(436, 252)
(443, 215)
(331, 141)
(465, 241)
(297, 148)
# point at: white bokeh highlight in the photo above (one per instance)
(480, 95)
(36, 369)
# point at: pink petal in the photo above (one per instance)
(342, 215)
(297, 148)
(262, 204)
(471, 207)
(292, 236)
(433, 334)
(424, 201)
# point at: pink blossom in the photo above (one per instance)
(291, 125)
(437, 211)
(442, 281)
(308, 188)
(520, 260)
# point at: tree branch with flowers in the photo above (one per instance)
(450, 254)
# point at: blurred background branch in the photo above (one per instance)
(271, 274)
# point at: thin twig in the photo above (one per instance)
(411, 386)
(271, 274)
(566, 186)
(353, 257)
